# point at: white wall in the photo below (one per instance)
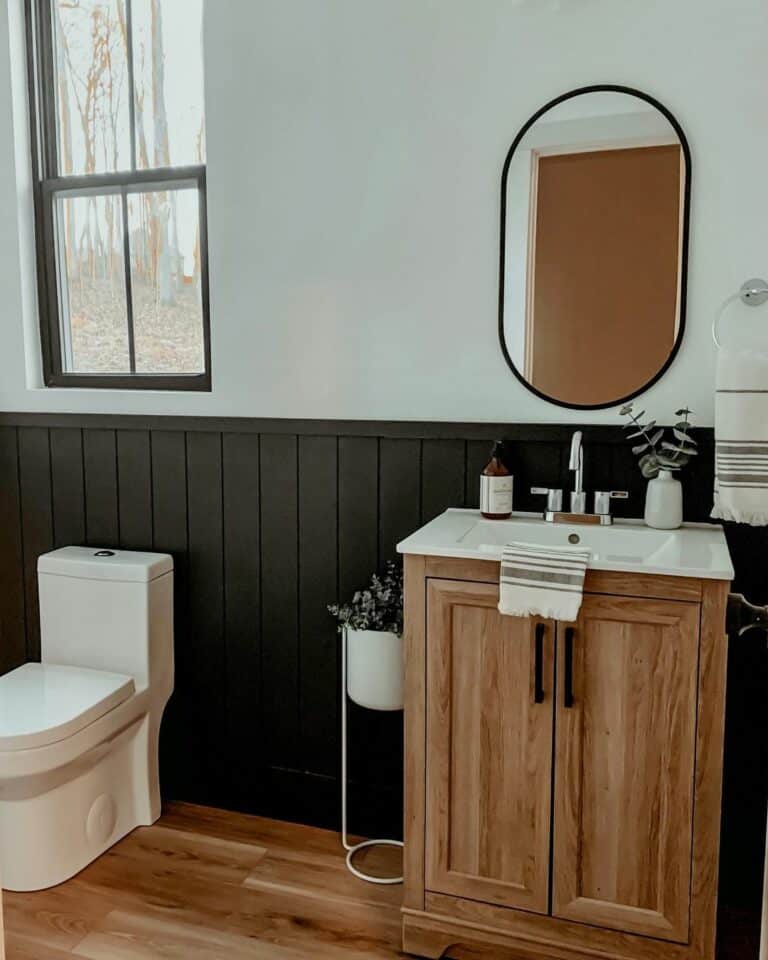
(355, 150)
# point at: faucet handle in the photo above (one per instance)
(554, 498)
(603, 500)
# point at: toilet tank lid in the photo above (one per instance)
(104, 563)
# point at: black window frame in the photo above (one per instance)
(47, 184)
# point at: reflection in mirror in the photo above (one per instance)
(594, 237)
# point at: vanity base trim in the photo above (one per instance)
(521, 936)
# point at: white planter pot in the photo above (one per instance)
(375, 669)
(664, 502)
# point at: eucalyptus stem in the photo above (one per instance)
(655, 452)
(643, 430)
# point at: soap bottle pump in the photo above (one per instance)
(496, 484)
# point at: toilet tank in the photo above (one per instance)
(109, 610)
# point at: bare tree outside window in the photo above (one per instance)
(120, 137)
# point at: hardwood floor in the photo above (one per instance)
(203, 884)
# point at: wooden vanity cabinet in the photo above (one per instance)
(489, 748)
(562, 780)
(625, 755)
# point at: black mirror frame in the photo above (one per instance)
(579, 91)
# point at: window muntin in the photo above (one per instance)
(120, 145)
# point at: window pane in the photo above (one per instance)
(92, 112)
(168, 76)
(164, 231)
(94, 321)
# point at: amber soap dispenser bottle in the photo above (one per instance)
(496, 484)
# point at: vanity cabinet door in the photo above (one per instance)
(624, 765)
(489, 748)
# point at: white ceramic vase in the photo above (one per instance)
(664, 502)
(375, 669)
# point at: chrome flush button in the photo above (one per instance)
(574, 538)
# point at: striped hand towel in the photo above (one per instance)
(741, 437)
(542, 581)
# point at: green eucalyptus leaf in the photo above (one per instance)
(639, 448)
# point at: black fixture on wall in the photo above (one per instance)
(269, 520)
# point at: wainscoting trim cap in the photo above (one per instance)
(396, 429)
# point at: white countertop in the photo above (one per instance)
(627, 546)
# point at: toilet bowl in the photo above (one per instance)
(79, 732)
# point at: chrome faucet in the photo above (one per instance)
(578, 513)
(576, 463)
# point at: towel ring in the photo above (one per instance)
(753, 293)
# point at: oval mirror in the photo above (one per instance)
(594, 237)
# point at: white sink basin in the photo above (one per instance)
(695, 550)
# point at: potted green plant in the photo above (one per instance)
(373, 623)
(660, 459)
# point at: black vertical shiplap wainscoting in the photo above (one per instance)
(270, 520)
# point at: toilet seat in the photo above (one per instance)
(43, 703)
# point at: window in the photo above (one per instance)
(116, 96)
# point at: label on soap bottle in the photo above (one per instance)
(496, 494)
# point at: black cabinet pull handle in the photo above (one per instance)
(538, 668)
(568, 679)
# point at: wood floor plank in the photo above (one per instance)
(204, 884)
(169, 895)
(274, 834)
(28, 948)
(309, 876)
(286, 917)
(133, 936)
(57, 919)
(128, 935)
(218, 860)
(298, 917)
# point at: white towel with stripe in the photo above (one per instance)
(539, 581)
(741, 437)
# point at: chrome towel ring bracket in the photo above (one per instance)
(753, 293)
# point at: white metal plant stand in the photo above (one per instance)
(764, 933)
(352, 849)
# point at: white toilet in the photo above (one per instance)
(79, 731)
